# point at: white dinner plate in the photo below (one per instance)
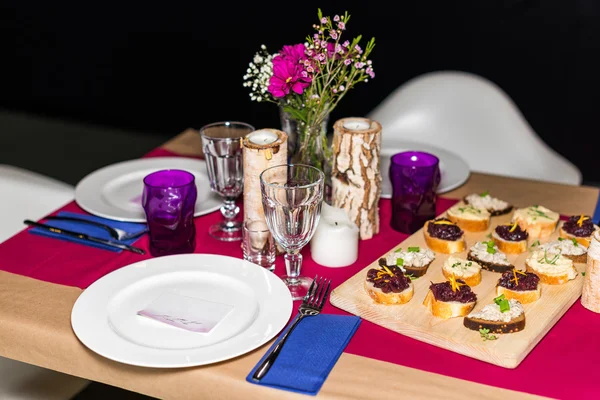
(104, 317)
(453, 169)
(115, 191)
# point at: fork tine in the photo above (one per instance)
(320, 294)
(324, 299)
(310, 292)
(315, 293)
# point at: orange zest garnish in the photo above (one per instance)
(581, 219)
(384, 271)
(454, 284)
(515, 272)
(513, 227)
(443, 223)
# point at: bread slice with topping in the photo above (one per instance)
(450, 299)
(389, 285)
(519, 285)
(570, 248)
(510, 238)
(494, 205)
(489, 257)
(444, 236)
(413, 261)
(578, 227)
(501, 316)
(468, 217)
(538, 221)
(552, 268)
(465, 270)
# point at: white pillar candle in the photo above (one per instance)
(335, 242)
(262, 137)
(356, 124)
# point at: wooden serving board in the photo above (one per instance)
(413, 319)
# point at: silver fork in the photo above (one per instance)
(115, 233)
(312, 304)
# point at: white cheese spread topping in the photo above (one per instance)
(551, 263)
(461, 268)
(410, 257)
(535, 214)
(480, 251)
(491, 312)
(488, 202)
(467, 211)
(564, 246)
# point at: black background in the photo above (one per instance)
(165, 66)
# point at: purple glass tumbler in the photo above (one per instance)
(169, 200)
(415, 176)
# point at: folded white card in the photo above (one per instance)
(186, 312)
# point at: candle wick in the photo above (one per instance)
(335, 222)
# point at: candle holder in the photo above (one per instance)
(263, 148)
(356, 176)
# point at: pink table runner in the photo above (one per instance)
(561, 365)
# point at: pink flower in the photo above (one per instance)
(332, 49)
(333, 34)
(341, 25)
(370, 72)
(287, 76)
(324, 20)
(294, 53)
(336, 18)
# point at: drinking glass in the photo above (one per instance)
(415, 176)
(221, 143)
(169, 201)
(258, 245)
(292, 195)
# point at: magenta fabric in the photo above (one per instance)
(560, 366)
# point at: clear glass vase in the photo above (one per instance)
(309, 144)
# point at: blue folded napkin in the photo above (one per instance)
(90, 230)
(309, 354)
(596, 217)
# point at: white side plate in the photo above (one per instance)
(105, 318)
(115, 191)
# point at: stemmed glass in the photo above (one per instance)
(221, 143)
(292, 196)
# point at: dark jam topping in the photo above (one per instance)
(443, 292)
(381, 279)
(572, 226)
(446, 230)
(529, 281)
(517, 234)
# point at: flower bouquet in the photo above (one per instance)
(307, 81)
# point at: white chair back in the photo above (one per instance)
(28, 195)
(471, 117)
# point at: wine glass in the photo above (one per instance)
(292, 195)
(221, 143)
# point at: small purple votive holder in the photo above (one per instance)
(415, 177)
(169, 201)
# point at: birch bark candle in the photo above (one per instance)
(356, 175)
(590, 297)
(263, 148)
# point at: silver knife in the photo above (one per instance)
(83, 236)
